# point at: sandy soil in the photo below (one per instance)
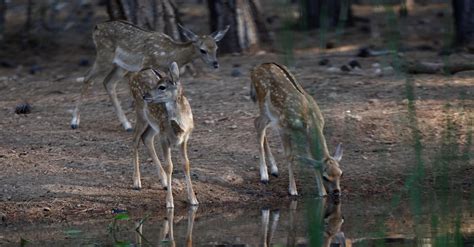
(53, 173)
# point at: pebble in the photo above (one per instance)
(345, 68)
(323, 62)
(354, 64)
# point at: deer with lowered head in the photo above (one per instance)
(122, 47)
(284, 104)
(162, 110)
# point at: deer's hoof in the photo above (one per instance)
(137, 188)
(275, 174)
(293, 193)
(129, 129)
(165, 187)
(265, 181)
(74, 126)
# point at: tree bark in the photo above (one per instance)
(156, 15)
(324, 13)
(463, 11)
(247, 26)
(3, 10)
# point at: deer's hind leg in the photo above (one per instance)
(261, 124)
(110, 84)
(187, 173)
(87, 83)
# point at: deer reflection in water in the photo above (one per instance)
(166, 236)
(331, 217)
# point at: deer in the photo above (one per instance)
(286, 106)
(327, 212)
(161, 109)
(122, 47)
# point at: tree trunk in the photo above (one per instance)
(324, 13)
(463, 11)
(247, 26)
(3, 10)
(156, 15)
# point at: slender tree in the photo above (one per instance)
(157, 15)
(463, 11)
(247, 26)
(324, 13)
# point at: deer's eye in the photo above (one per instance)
(162, 87)
(203, 51)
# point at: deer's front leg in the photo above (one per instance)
(187, 174)
(261, 124)
(167, 155)
(110, 83)
(148, 139)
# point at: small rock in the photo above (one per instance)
(333, 69)
(46, 209)
(80, 79)
(209, 121)
(23, 108)
(345, 68)
(378, 72)
(235, 72)
(375, 65)
(233, 127)
(330, 45)
(323, 62)
(363, 52)
(354, 64)
(405, 102)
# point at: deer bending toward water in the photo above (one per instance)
(284, 104)
(163, 110)
(122, 47)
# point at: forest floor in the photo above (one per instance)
(52, 173)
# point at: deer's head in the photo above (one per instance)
(205, 45)
(332, 173)
(166, 89)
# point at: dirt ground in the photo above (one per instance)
(53, 173)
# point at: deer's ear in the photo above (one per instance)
(338, 153)
(157, 74)
(218, 35)
(174, 72)
(128, 60)
(188, 33)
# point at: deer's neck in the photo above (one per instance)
(183, 53)
(317, 143)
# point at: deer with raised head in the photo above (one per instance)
(284, 104)
(122, 47)
(163, 110)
